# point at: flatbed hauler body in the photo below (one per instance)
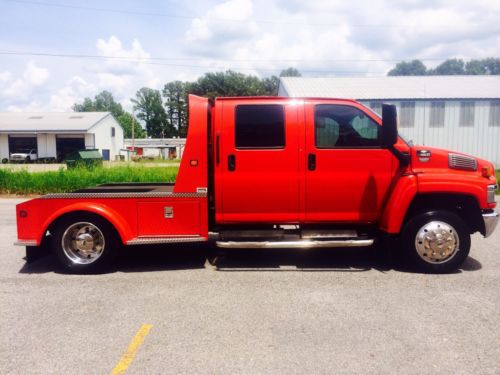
(273, 172)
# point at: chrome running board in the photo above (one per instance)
(299, 244)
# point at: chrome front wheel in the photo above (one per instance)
(437, 242)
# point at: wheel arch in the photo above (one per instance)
(115, 220)
(464, 205)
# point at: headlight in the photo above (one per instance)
(491, 193)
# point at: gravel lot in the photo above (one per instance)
(337, 311)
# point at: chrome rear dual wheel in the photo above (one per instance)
(84, 243)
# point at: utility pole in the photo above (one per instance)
(133, 133)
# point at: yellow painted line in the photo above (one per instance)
(131, 351)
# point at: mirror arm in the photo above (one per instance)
(403, 158)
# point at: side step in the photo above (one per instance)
(298, 244)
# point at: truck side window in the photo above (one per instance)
(260, 126)
(341, 126)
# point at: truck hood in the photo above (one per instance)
(425, 158)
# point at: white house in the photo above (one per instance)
(459, 113)
(54, 135)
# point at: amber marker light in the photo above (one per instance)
(487, 171)
(193, 163)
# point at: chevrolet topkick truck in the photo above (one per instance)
(269, 172)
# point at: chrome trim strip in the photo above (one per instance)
(25, 243)
(160, 240)
(153, 194)
(490, 222)
(303, 244)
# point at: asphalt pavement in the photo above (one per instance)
(280, 312)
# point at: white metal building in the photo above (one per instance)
(54, 135)
(460, 113)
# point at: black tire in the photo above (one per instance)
(5, 161)
(28, 159)
(455, 239)
(73, 259)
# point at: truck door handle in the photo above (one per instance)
(311, 162)
(217, 150)
(231, 162)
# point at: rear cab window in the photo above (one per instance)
(260, 126)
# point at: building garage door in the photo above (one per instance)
(24, 143)
(65, 146)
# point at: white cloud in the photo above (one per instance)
(73, 91)
(313, 36)
(23, 87)
(34, 75)
(320, 37)
(121, 60)
(225, 23)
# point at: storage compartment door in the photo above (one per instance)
(169, 218)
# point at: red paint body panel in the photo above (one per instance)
(400, 199)
(272, 186)
(132, 217)
(191, 178)
(186, 218)
(265, 185)
(348, 185)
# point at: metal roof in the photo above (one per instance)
(49, 122)
(414, 87)
(155, 142)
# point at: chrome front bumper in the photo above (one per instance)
(490, 222)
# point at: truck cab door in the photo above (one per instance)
(348, 171)
(257, 160)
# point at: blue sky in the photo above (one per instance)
(148, 43)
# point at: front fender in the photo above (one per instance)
(395, 210)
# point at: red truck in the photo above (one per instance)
(270, 172)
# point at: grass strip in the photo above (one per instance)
(62, 181)
(498, 182)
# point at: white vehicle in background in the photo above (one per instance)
(26, 156)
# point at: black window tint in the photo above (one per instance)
(338, 126)
(260, 126)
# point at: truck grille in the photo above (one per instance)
(465, 163)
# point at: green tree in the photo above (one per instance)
(126, 120)
(290, 72)
(410, 68)
(449, 67)
(486, 66)
(103, 102)
(227, 83)
(150, 109)
(271, 85)
(175, 95)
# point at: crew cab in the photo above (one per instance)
(271, 172)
